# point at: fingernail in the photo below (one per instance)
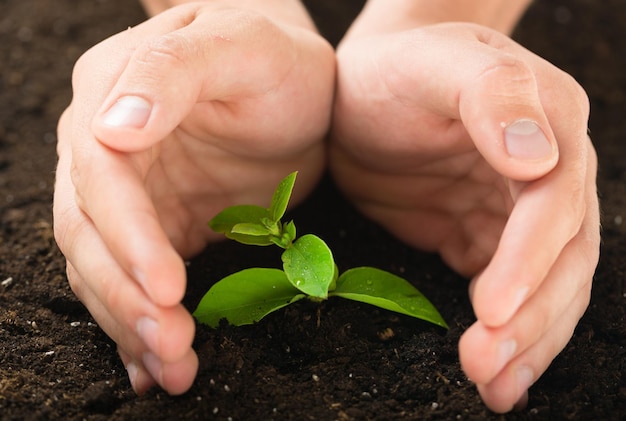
(525, 140)
(148, 331)
(132, 371)
(506, 350)
(128, 111)
(524, 379)
(154, 366)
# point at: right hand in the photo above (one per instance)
(427, 142)
(196, 109)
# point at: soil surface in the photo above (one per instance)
(304, 362)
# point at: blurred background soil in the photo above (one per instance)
(55, 363)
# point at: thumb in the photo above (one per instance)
(504, 116)
(165, 77)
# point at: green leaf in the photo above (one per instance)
(388, 291)
(280, 200)
(238, 216)
(246, 297)
(250, 228)
(225, 220)
(309, 266)
(333, 284)
(251, 240)
(289, 230)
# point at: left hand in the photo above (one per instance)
(460, 141)
(200, 107)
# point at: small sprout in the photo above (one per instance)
(309, 271)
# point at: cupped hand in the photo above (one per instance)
(196, 109)
(460, 141)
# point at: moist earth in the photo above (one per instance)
(336, 361)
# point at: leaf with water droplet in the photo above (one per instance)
(280, 199)
(388, 291)
(246, 297)
(309, 265)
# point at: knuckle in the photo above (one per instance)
(77, 178)
(167, 50)
(508, 76)
(590, 251)
(113, 297)
(576, 91)
(80, 67)
(570, 97)
(66, 229)
(246, 22)
(85, 65)
(577, 196)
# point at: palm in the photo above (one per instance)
(196, 174)
(438, 194)
(402, 152)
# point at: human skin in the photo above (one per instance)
(201, 107)
(203, 143)
(462, 142)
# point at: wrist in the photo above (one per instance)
(387, 16)
(290, 12)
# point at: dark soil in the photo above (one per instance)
(304, 362)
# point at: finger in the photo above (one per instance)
(159, 351)
(501, 360)
(106, 286)
(177, 376)
(140, 379)
(109, 188)
(111, 191)
(105, 63)
(121, 307)
(513, 382)
(485, 351)
(547, 214)
(495, 94)
(128, 220)
(209, 63)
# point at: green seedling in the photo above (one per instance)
(309, 271)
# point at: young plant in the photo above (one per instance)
(309, 271)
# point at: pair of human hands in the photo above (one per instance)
(202, 107)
